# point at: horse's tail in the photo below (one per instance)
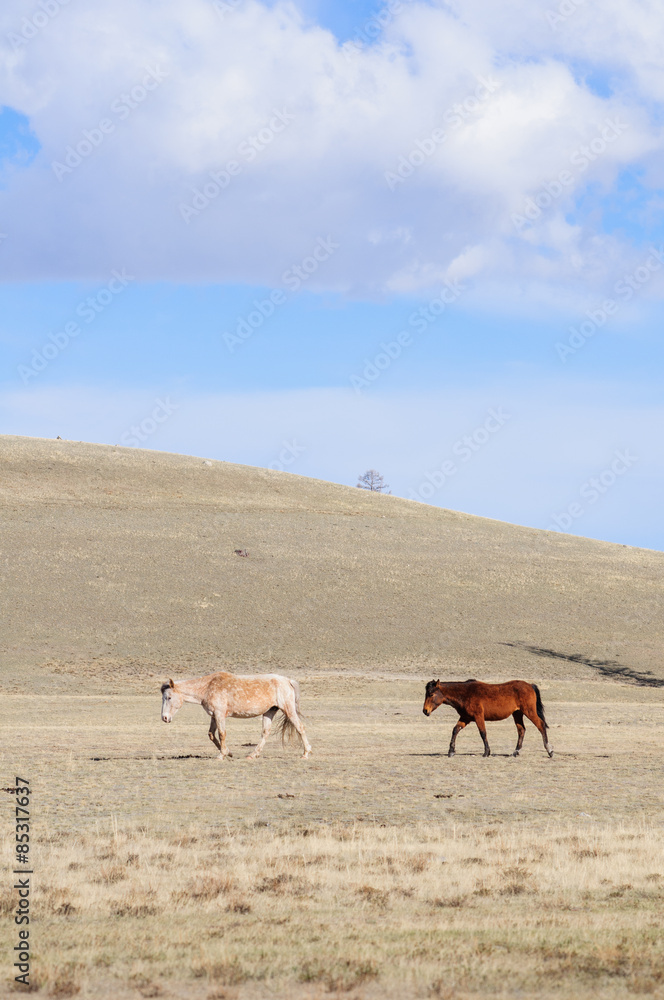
(538, 704)
(285, 728)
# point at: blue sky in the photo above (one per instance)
(324, 243)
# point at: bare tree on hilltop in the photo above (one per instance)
(372, 480)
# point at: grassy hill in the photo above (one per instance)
(120, 563)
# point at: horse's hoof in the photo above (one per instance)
(451, 753)
(550, 753)
(516, 753)
(252, 756)
(486, 754)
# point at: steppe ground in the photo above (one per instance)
(378, 867)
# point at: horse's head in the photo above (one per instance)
(171, 701)
(432, 697)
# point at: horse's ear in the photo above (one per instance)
(170, 683)
(438, 681)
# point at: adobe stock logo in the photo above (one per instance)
(289, 453)
(293, 279)
(92, 138)
(564, 10)
(454, 117)
(596, 318)
(580, 159)
(139, 433)
(88, 310)
(463, 449)
(420, 320)
(247, 151)
(592, 490)
(31, 26)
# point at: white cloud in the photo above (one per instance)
(355, 115)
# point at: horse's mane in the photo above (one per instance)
(432, 685)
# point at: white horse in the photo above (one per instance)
(241, 697)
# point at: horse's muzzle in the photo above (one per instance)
(164, 719)
(426, 711)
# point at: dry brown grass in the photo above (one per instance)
(348, 908)
(378, 868)
(123, 567)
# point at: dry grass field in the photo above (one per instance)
(120, 563)
(378, 867)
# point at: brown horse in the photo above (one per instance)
(479, 703)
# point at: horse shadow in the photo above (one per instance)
(459, 753)
(606, 668)
(176, 756)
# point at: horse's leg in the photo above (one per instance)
(267, 725)
(212, 733)
(455, 732)
(293, 717)
(479, 722)
(521, 730)
(220, 719)
(536, 721)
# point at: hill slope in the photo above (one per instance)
(120, 563)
